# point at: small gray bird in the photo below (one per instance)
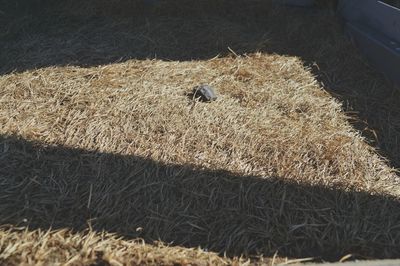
(204, 93)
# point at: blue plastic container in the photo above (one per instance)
(374, 27)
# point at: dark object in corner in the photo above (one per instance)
(204, 93)
(373, 26)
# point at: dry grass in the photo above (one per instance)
(267, 121)
(272, 166)
(21, 247)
